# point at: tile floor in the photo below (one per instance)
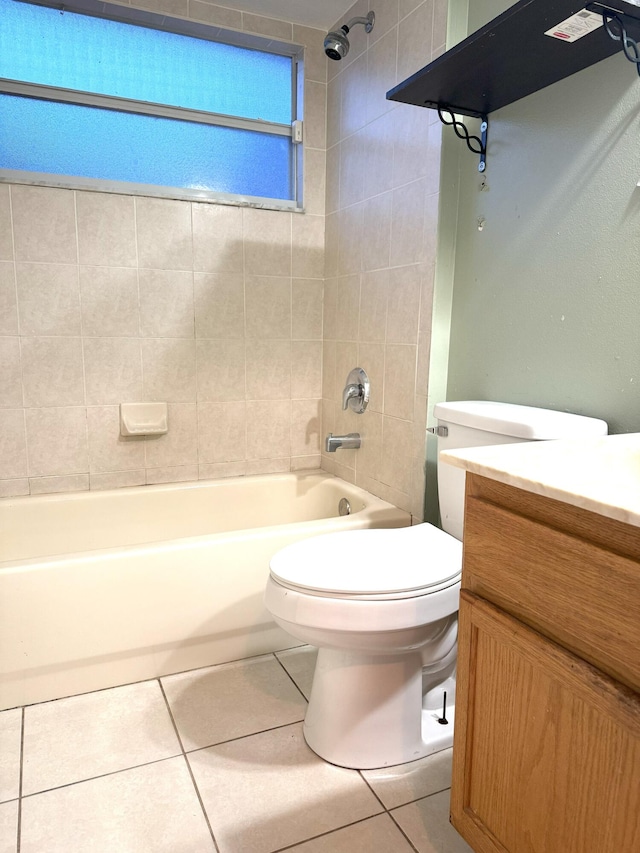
(208, 760)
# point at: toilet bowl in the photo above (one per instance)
(381, 605)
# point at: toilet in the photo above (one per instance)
(381, 606)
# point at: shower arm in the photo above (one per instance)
(366, 22)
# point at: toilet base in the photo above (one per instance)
(365, 711)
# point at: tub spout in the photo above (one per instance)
(333, 442)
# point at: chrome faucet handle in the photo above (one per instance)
(349, 392)
(356, 391)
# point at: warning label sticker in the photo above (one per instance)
(577, 26)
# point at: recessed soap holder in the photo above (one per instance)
(143, 419)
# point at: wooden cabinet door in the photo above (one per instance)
(547, 748)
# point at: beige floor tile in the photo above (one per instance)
(85, 736)
(232, 700)
(376, 835)
(10, 736)
(426, 824)
(9, 827)
(399, 785)
(151, 809)
(270, 790)
(300, 664)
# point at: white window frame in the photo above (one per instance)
(127, 15)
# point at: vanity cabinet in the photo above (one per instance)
(547, 740)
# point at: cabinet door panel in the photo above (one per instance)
(547, 755)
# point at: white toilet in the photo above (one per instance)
(381, 605)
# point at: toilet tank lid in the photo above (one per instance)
(527, 422)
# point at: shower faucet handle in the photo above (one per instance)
(355, 394)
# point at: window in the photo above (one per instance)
(96, 102)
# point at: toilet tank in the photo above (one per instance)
(478, 423)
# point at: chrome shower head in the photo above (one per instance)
(336, 43)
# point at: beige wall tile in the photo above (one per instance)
(216, 15)
(439, 35)
(377, 232)
(329, 309)
(315, 114)
(378, 154)
(308, 246)
(315, 59)
(106, 229)
(267, 26)
(14, 488)
(387, 14)
(44, 224)
(353, 112)
(166, 304)
(108, 450)
(268, 306)
(113, 370)
(220, 370)
(382, 74)
(268, 466)
(169, 370)
(221, 470)
(306, 309)
(314, 181)
(52, 371)
(268, 370)
(58, 485)
(268, 429)
(333, 178)
(407, 225)
(117, 480)
(180, 445)
(222, 431)
(348, 308)
(371, 359)
(217, 237)
(414, 35)
(399, 380)
(48, 299)
(179, 8)
(219, 305)
(368, 456)
(163, 230)
(57, 441)
(396, 460)
(404, 305)
(352, 169)
(172, 474)
(13, 448)
(417, 148)
(306, 428)
(267, 242)
(10, 374)
(109, 302)
(6, 227)
(8, 300)
(306, 463)
(374, 294)
(329, 370)
(306, 370)
(350, 239)
(334, 109)
(331, 244)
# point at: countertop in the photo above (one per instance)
(598, 474)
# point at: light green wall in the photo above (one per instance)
(546, 297)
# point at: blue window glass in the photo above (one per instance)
(72, 51)
(58, 138)
(124, 103)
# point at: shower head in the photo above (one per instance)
(336, 43)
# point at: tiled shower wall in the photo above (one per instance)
(383, 169)
(215, 309)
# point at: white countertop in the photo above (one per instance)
(599, 474)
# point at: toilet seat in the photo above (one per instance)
(372, 564)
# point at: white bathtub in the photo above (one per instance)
(104, 588)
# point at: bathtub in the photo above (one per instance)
(105, 588)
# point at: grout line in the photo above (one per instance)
(189, 770)
(19, 827)
(102, 775)
(291, 677)
(404, 834)
(329, 832)
(244, 737)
